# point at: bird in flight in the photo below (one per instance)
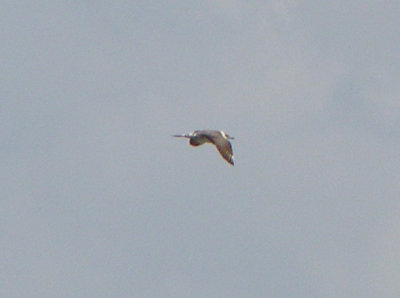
(217, 137)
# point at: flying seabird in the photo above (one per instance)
(217, 137)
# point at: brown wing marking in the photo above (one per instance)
(194, 142)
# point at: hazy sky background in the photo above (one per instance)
(97, 200)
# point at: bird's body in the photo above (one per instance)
(217, 137)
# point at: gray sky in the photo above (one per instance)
(97, 200)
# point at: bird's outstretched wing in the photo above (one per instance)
(225, 149)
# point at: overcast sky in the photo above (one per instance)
(97, 199)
